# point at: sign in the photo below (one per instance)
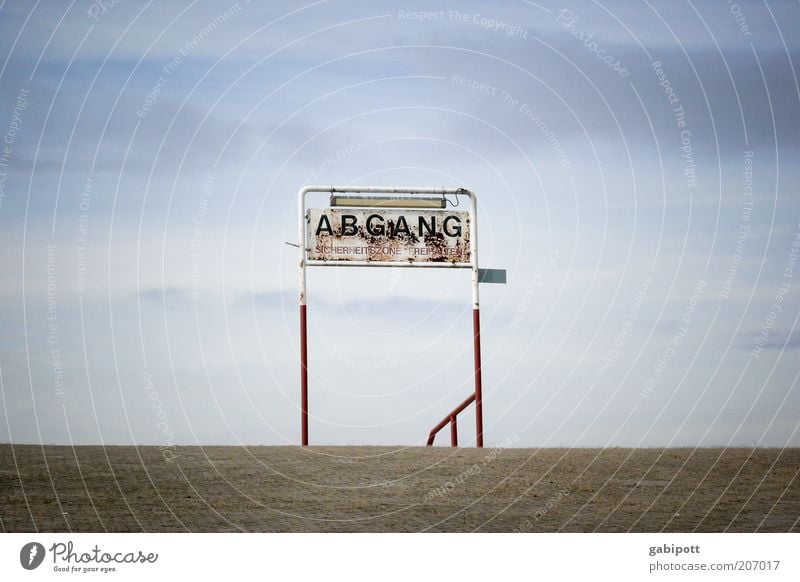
(367, 235)
(492, 276)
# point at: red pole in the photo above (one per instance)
(303, 376)
(476, 327)
(453, 432)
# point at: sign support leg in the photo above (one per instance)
(476, 326)
(303, 377)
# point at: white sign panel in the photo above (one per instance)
(367, 235)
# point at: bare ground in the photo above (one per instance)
(55, 488)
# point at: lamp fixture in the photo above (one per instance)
(386, 202)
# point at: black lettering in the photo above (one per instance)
(401, 227)
(456, 230)
(324, 225)
(430, 228)
(349, 227)
(375, 230)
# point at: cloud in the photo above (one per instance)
(777, 340)
(167, 298)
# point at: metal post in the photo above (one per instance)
(476, 344)
(453, 431)
(301, 224)
(476, 320)
(303, 377)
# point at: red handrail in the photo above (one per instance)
(451, 418)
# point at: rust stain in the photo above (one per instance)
(397, 237)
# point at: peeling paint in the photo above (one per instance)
(370, 235)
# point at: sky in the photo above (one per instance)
(635, 166)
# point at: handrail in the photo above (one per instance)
(451, 418)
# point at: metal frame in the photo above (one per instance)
(452, 419)
(473, 265)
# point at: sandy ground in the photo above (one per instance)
(283, 489)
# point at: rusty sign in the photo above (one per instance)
(370, 235)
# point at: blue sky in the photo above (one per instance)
(636, 174)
